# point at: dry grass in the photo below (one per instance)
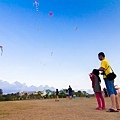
(76, 109)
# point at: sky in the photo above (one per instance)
(40, 49)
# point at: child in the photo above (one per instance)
(117, 89)
(118, 93)
(97, 89)
(56, 97)
(67, 94)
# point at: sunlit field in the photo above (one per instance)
(76, 109)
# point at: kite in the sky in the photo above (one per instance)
(1, 47)
(51, 53)
(45, 46)
(76, 28)
(36, 3)
(51, 14)
(38, 29)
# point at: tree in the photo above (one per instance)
(79, 93)
(1, 92)
(49, 92)
(8, 97)
(52, 94)
(84, 92)
(62, 93)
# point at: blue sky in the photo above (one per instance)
(29, 37)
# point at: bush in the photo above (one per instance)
(2, 98)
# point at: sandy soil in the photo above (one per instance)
(76, 109)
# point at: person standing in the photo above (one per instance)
(105, 68)
(96, 81)
(56, 95)
(117, 89)
(70, 92)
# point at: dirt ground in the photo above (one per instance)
(76, 109)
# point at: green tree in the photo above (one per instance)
(52, 95)
(49, 92)
(79, 93)
(8, 97)
(2, 98)
(84, 93)
(62, 93)
(1, 92)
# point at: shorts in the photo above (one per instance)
(110, 87)
(70, 93)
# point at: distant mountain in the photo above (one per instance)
(17, 87)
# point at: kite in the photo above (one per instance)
(45, 46)
(51, 53)
(36, 3)
(76, 28)
(38, 29)
(1, 49)
(51, 14)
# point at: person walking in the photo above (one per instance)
(106, 69)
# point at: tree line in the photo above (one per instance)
(38, 95)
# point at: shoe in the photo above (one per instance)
(112, 110)
(98, 108)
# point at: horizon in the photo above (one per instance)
(16, 86)
(59, 49)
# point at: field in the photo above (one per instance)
(76, 109)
